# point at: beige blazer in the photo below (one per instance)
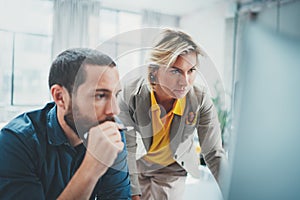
(199, 115)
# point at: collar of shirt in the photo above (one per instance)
(178, 107)
(55, 134)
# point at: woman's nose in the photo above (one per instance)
(184, 80)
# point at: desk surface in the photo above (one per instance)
(204, 188)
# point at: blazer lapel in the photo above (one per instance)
(143, 115)
(180, 127)
(176, 131)
(183, 126)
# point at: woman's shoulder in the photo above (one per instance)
(199, 91)
(134, 86)
(132, 82)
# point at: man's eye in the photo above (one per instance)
(100, 96)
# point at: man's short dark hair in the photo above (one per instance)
(64, 69)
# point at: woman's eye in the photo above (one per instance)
(192, 70)
(175, 71)
(118, 94)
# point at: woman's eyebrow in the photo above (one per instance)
(174, 67)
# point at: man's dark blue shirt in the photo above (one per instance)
(37, 161)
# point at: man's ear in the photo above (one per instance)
(60, 96)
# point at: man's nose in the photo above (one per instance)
(112, 107)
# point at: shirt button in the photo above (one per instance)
(175, 156)
(182, 163)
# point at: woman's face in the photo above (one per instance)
(176, 80)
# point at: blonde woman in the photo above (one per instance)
(166, 108)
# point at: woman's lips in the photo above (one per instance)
(180, 91)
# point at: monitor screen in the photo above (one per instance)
(266, 154)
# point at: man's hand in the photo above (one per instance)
(104, 143)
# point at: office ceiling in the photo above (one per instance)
(172, 7)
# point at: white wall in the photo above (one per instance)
(208, 27)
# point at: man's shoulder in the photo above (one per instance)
(23, 143)
(26, 125)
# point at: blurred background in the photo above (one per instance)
(253, 46)
(33, 32)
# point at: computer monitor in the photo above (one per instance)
(266, 155)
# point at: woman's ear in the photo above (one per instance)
(152, 78)
(152, 74)
(60, 96)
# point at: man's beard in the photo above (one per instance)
(80, 124)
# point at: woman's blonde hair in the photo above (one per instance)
(171, 44)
